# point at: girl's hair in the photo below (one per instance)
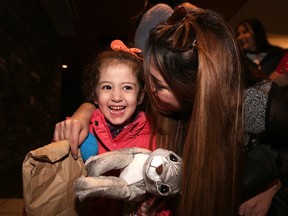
(198, 56)
(258, 32)
(91, 73)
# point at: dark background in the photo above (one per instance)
(36, 38)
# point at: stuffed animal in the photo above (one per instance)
(142, 171)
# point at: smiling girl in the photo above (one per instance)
(114, 83)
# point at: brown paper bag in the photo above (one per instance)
(48, 174)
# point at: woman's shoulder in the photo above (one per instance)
(276, 51)
(255, 105)
(260, 88)
(280, 94)
(161, 8)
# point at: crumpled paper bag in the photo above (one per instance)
(48, 175)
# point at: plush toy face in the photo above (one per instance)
(162, 172)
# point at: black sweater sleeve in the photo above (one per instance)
(277, 118)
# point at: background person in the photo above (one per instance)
(260, 54)
(154, 12)
(280, 75)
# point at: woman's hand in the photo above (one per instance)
(259, 205)
(72, 130)
(280, 79)
(76, 128)
(152, 207)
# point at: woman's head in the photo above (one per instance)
(114, 81)
(193, 63)
(192, 53)
(252, 36)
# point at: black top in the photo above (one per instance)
(269, 62)
(266, 115)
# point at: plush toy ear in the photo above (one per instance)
(89, 147)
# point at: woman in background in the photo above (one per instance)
(260, 54)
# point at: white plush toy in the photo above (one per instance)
(142, 171)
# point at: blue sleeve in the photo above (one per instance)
(89, 147)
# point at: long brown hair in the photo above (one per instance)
(199, 58)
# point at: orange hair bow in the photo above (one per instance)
(118, 45)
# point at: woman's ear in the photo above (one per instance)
(141, 96)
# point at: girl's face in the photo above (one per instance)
(245, 38)
(166, 99)
(118, 93)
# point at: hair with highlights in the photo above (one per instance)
(199, 58)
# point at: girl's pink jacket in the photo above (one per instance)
(136, 134)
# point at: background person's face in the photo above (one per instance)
(245, 39)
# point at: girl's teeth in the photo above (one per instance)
(117, 108)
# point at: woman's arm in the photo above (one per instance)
(75, 128)
(259, 205)
(280, 79)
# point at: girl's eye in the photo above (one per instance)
(127, 88)
(106, 87)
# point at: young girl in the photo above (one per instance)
(114, 82)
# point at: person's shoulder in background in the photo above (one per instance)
(151, 18)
